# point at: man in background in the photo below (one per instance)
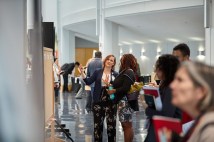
(182, 52)
(94, 64)
(68, 69)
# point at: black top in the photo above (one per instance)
(123, 83)
(97, 78)
(68, 68)
(168, 110)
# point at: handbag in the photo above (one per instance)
(134, 90)
(136, 87)
(132, 96)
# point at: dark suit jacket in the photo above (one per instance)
(68, 68)
(97, 78)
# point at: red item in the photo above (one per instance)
(170, 123)
(186, 118)
(151, 92)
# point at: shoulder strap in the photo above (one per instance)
(204, 127)
(111, 81)
(129, 78)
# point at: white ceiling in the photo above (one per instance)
(87, 28)
(180, 24)
(170, 25)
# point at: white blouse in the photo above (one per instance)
(106, 78)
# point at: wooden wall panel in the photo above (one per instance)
(82, 56)
(48, 83)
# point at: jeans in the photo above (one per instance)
(81, 90)
(56, 91)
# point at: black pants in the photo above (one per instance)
(56, 91)
(151, 134)
(65, 78)
(134, 105)
(102, 110)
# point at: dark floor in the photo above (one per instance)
(71, 111)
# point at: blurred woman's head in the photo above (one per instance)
(192, 87)
(165, 68)
(109, 62)
(128, 61)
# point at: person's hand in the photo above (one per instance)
(61, 72)
(80, 69)
(153, 84)
(111, 91)
(165, 135)
(144, 104)
(56, 85)
(142, 101)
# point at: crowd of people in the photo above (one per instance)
(185, 90)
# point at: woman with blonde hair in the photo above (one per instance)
(193, 92)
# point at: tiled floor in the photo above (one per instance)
(72, 112)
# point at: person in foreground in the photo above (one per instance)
(193, 92)
(165, 68)
(102, 105)
(122, 85)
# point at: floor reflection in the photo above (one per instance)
(71, 111)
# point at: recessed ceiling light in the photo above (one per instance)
(120, 44)
(197, 38)
(138, 42)
(121, 51)
(173, 40)
(201, 48)
(143, 50)
(155, 41)
(158, 49)
(125, 42)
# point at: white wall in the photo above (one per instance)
(121, 2)
(79, 42)
(50, 11)
(74, 12)
(74, 6)
(126, 34)
(150, 55)
(210, 38)
(67, 50)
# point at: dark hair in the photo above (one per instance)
(128, 61)
(98, 54)
(168, 64)
(107, 58)
(77, 64)
(184, 48)
(55, 59)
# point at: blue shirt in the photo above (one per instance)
(94, 64)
